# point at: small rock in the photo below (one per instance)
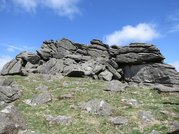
(131, 102)
(42, 88)
(174, 125)
(28, 132)
(106, 75)
(99, 107)
(11, 120)
(66, 96)
(116, 86)
(64, 120)
(119, 120)
(146, 116)
(39, 99)
(154, 132)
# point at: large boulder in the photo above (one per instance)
(11, 121)
(151, 73)
(28, 57)
(12, 67)
(138, 53)
(53, 66)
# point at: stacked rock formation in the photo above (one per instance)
(137, 62)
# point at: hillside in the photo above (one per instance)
(67, 87)
(144, 110)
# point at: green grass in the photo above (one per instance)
(85, 89)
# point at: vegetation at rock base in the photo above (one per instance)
(163, 106)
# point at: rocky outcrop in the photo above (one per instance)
(137, 62)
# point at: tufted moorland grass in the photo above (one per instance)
(85, 89)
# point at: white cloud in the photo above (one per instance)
(11, 48)
(28, 5)
(143, 32)
(176, 65)
(67, 8)
(4, 60)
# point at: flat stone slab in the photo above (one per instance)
(63, 120)
(119, 120)
(39, 99)
(99, 107)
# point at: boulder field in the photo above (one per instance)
(135, 63)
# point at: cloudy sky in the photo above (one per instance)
(25, 24)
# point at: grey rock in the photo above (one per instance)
(78, 58)
(42, 88)
(163, 88)
(99, 107)
(9, 94)
(151, 73)
(106, 75)
(113, 63)
(5, 81)
(99, 43)
(131, 102)
(119, 120)
(66, 96)
(39, 99)
(12, 67)
(97, 53)
(11, 121)
(174, 125)
(28, 132)
(68, 61)
(146, 116)
(63, 120)
(154, 132)
(53, 66)
(73, 70)
(28, 57)
(116, 86)
(113, 71)
(138, 58)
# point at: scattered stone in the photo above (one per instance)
(66, 96)
(154, 132)
(11, 121)
(106, 75)
(63, 120)
(174, 125)
(131, 102)
(99, 107)
(119, 120)
(42, 88)
(9, 94)
(146, 116)
(28, 132)
(116, 86)
(39, 99)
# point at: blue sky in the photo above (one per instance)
(25, 24)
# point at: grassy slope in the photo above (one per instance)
(85, 123)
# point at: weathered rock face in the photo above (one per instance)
(8, 91)
(137, 62)
(11, 121)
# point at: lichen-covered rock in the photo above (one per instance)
(116, 86)
(137, 62)
(12, 67)
(11, 121)
(151, 73)
(99, 107)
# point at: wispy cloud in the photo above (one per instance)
(17, 47)
(67, 8)
(4, 60)
(143, 32)
(173, 20)
(176, 65)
